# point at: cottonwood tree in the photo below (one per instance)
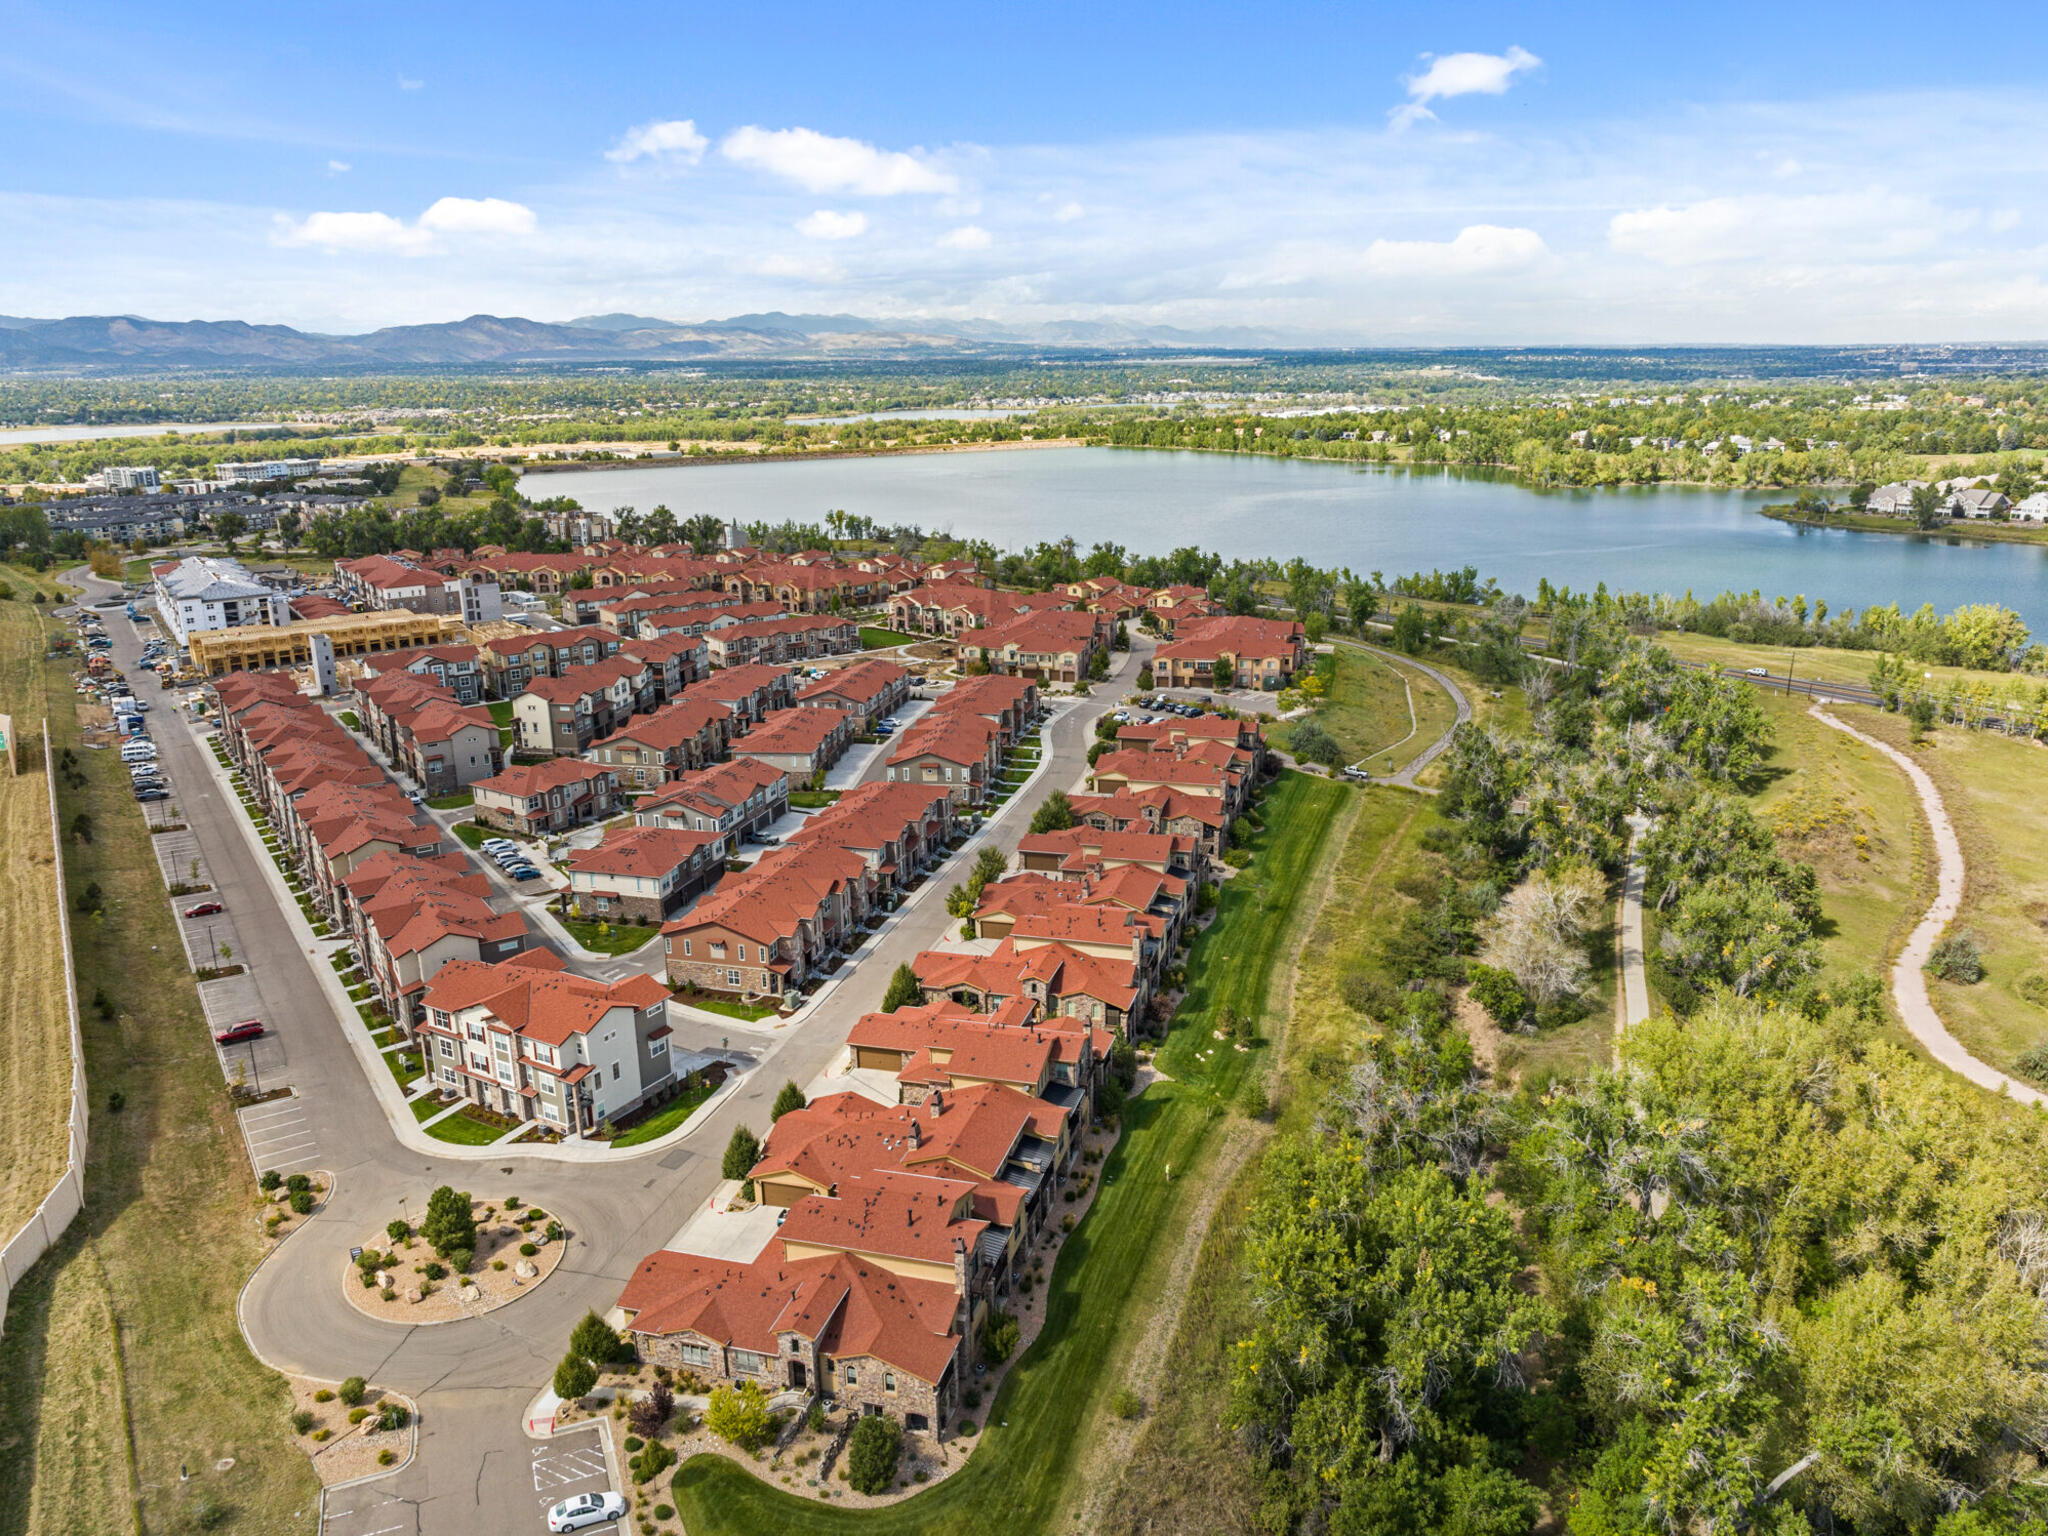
(1538, 935)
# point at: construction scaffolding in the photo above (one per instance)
(217, 652)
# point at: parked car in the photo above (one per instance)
(152, 794)
(528, 873)
(204, 909)
(1758, 671)
(234, 1034)
(586, 1509)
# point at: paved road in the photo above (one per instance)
(1635, 986)
(1909, 973)
(473, 1379)
(1435, 749)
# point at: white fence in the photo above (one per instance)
(41, 1231)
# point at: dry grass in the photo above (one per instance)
(35, 1046)
(1991, 786)
(121, 1363)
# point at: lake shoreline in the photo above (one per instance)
(1853, 522)
(685, 461)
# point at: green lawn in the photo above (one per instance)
(351, 719)
(422, 1108)
(1379, 707)
(610, 938)
(501, 711)
(1022, 1475)
(464, 1131)
(873, 639)
(454, 802)
(666, 1118)
(730, 1007)
(812, 799)
(406, 1066)
(471, 833)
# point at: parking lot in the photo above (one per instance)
(369, 1509)
(571, 1463)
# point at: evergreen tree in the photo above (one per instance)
(791, 1097)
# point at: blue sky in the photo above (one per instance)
(1363, 172)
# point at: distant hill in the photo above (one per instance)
(110, 343)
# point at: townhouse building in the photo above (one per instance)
(1051, 647)
(525, 1039)
(781, 641)
(652, 749)
(798, 742)
(1230, 652)
(408, 917)
(537, 799)
(867, 691)
(564, 715)
(442, 744)
(738, 801)
(456, 667)
(512, 661)
(642, 874)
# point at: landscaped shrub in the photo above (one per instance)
(357, 1415)
(574, 1377)
(324, 1395)
(297, 1182)
(302, 1202)
(302, 1421)
(352, 1390)
(873, 1452)
(664, 1511)
(968, 1427)
(633, 1443)
(998, 1337)
(434, 1270)
(398, 1231)
(598, 1342)
(460, 1260)
(386, 1458)
(270, 1180)
(528, 1250)
(652, 1461)
(449, 1223)
(650, 1414)
(739, 1415)
(393, 1415)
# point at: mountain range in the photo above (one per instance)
(111, 343)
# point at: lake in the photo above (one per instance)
(1642, 539)
(132, 429)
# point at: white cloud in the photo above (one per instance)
(1066, 213)
(832, 224)
(1460, 74)
(353, 232)
(381, 232)
(1778, 226)
(818, 162)
(968, 237)
(478, 216)
(406, 84)
(1476, 249)
(676, 141)
(338, 167)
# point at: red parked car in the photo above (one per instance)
(205, 909)
(235, 1034)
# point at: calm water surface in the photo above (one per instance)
(133, 429)
(1644, 539)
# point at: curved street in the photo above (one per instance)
(473, 1379)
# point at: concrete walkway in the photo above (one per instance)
(1429, 754)
(1635, 986)
(1909, 973)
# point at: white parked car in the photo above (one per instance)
(586, 1509)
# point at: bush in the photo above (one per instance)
(664, 1511)
(574, 1378)
(873, 1452)
(1500, 994)
(357, 1415)
(741, 1153)
(633, 1443)
(968, 1427)
(739, 1416)
(1125, 1404)
(1957, 958)
(386, 1457)
(352, 1390)
(598, 1342)
(449, 1224)
(324, 1395)
(2033, 1062)
(650, 1414)
(302, 1202)
(528, 1250)
(298, 1182)
(434, 1270)
(460, 1260)
(270, 1181)
(998, 1337)
(789, 1098)
(654, 1459)
(302, 1421)
(971, 1398)
(398, 1231)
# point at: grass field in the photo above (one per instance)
(35, 1047)
(666, 1118)
(1381, 710)
(1023, 1478)
(609, 938)
(1991, 785)
(1847, 811)
(1821, 663)
(873, 638)
(121, 1362)
(465, 1131)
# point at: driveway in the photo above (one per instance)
(475, 1469)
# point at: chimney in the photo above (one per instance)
(937, 1103)
(916, 1137)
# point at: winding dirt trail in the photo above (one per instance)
(1909, 974)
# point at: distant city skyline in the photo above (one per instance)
(1464, 173)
